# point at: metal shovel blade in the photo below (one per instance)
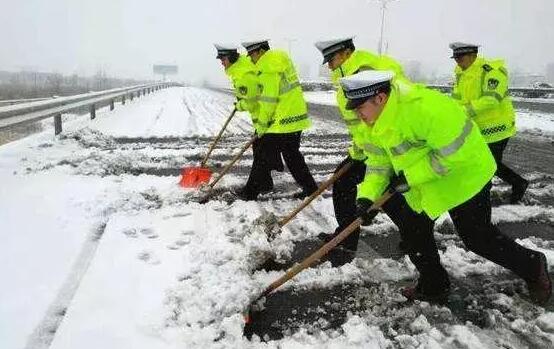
(193, 177)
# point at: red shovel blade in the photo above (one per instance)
(193, 177)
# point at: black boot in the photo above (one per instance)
(518, 190)
(245, 194)
(540, 289)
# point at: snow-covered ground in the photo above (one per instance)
(102, 249)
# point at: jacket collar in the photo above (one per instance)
(472, 68)
(242, 65)
(353, 63)
(386, 120)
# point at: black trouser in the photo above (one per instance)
(504, 172)
(472, 220)
(269, 148)
(264, 180)
(344, 202)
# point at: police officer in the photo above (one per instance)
(243, 75)
(435, 155)
(282, 116)
(482, 88)
(343, 60)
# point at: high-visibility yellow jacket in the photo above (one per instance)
(429, 137)
(359, 61)
(281, 100)
(483, 90)
(243, 76)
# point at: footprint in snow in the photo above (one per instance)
(148, 257)
(178, 244)
(130, 233)
(149, 233)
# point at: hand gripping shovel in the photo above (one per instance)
(193, 177)
(272, 227)
(207, 189)
(308, 262)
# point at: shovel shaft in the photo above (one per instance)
(318, 192)
(217, 138)
(309, 261)
(233, 161)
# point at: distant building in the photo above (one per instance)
(518, 79)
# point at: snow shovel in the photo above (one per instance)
(309, 261)
(193, 177)
(273, 227)
(207, 189)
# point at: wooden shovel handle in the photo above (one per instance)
(217, 138)
(309, 261)
(229, 165)
(318, 192)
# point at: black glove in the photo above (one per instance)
(362, 210)
(237, 105)
(355, 163)
(398, 183)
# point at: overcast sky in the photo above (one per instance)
(125, 37)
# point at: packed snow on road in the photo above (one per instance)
(101, 248)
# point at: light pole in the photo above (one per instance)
(383, 10)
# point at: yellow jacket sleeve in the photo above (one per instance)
(378, 172)
(268, 98)
(443, 135)
(246, 92)
(494, 88)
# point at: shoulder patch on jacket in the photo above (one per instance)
(492, 84)
(487, 68)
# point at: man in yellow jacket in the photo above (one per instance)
(282, 116)
(435, 155)
(243, 75)
(343, 60)
(482, 88)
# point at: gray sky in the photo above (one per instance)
(125, 37)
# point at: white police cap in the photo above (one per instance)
(462, 48)
(225, 50)
(254, 45)
(360, 87)
(329, 47)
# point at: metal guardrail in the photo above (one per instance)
(27, 113)
(5, 102)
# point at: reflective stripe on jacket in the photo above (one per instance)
(358, 61)
(243, 76)
(483, 90)
(429, 137)
(281, 100)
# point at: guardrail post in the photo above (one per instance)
(58, 124)
(123, 99)
(92, 112)
(112, 106)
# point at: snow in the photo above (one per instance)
(93, 256)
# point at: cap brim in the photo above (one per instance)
(352, 104)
